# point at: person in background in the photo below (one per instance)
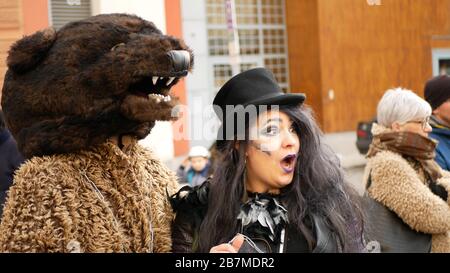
(195, 168)
(401, 173)
(437, 94)
(10, 160)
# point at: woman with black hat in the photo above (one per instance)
(277, 185)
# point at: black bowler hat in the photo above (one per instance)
(252, 87)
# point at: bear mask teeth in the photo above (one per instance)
(151, 85)
(170, 81)
(158, 98)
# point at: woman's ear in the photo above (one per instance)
(436, 111)
(237, 145)
(396, 126)
(29, 51)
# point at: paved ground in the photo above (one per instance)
(344, 144)
(355, 178)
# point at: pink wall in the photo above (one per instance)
(35, 15)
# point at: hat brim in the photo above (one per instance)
(282, 99)
(279, 99)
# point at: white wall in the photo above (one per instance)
(160, 139)
(151, 10)
(193, 15)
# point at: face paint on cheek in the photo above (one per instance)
(261, 147)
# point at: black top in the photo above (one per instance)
(191, 204)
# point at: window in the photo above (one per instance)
(444, 66)
(217, 42)
(247, 66)
(262, 38)
(249, 41)
(247, 11)
(278, 68)
(274, 41)
(215, 12)
(441, 61)
(222, 72)
(273, 11)
(64, 11)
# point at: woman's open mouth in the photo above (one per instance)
(288, 163)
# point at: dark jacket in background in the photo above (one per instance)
(10, 160)
(441, 134)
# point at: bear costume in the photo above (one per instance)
(77, 100)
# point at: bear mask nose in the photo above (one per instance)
(181, 60)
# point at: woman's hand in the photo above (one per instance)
(232, 247)
(186, 162)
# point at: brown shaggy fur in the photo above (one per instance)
(400, 185)
(68, 90)
(66, 95)
(52, 205)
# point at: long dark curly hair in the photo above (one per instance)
(318, 187)
(2, 120)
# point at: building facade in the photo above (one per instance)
(342, 53)
(345, 53)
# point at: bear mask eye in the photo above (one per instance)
(117, 46)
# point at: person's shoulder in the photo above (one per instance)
(387, 157)
(9, 148)
(38, 164)
(40, 177)
(387, 163)
(47, 170)
(6, 140)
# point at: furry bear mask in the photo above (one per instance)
(108, 75)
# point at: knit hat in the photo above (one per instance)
(198, 151)
(437, 90)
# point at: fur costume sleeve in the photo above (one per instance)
(396, 185)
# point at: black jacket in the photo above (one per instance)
(191, 209)
(10, 160)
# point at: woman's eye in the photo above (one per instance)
(271, 130)
(292, 129)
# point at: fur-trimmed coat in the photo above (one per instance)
(401, 186)
(100, 200)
